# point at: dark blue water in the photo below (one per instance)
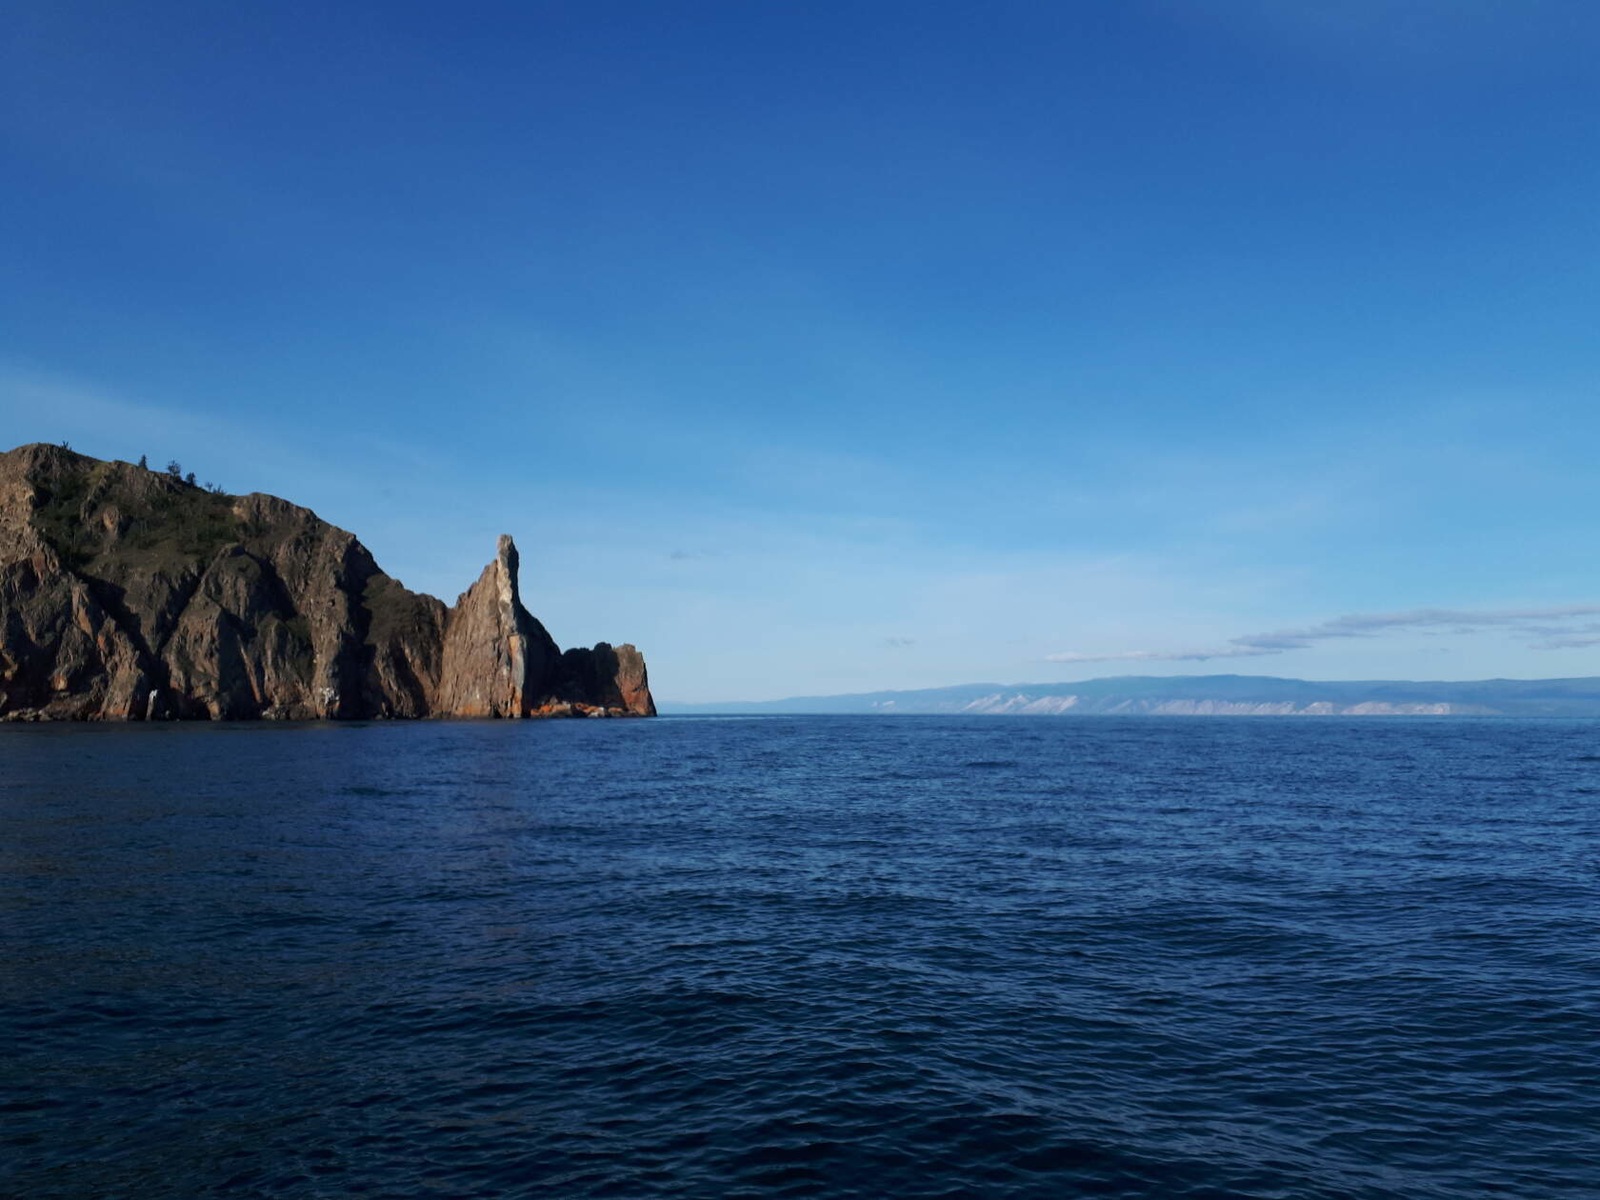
(802, 957)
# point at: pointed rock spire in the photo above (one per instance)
(497, 658)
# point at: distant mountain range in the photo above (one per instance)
(1203, 695)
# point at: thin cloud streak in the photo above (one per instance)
(1157, 656)
(1555, 629)
(1566, 643)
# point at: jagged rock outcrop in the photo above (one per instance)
(127, 594)
(497, 658)
(613, 675)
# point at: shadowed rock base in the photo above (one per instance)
(127, 594)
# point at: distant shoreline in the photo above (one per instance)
(1198, 696)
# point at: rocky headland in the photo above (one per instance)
(129, 594)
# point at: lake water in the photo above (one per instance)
(830, 957)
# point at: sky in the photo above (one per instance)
(836, 347)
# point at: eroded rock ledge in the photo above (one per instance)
(127, 594)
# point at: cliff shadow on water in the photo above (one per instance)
(132, 594)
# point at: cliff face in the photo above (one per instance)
(126, 594)
(497, 659)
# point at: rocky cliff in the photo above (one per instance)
(128, 594)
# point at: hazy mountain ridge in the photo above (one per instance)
(1204, 695)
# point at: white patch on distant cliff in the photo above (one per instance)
(1023, 704)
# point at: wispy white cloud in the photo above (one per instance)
(1577, 640)
(1558, 628)
(1157, 655)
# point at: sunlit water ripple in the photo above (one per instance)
(802, 957)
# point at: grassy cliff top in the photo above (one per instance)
(98, 514)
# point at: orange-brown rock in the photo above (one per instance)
(127, 594)
(498, 660)
(613, 677)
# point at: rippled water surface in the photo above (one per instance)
(802, 957)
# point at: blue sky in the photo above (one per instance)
(831, 347)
